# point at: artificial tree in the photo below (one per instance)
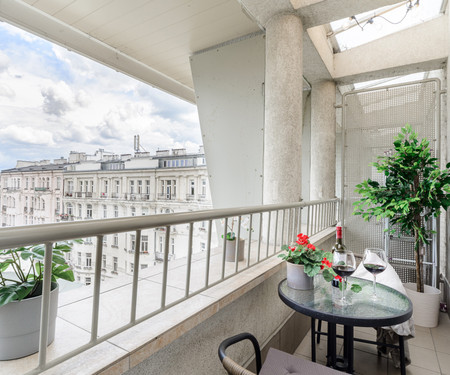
(415, 189)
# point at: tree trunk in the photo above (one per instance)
(418, 250)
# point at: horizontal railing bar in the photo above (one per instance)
(35, 234)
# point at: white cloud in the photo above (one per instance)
(26, 134)
(58, 99)
(4, 62)
(53, 101)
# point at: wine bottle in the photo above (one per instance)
(339, 245)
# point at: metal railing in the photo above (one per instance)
(268, 228)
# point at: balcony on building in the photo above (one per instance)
(289, 112)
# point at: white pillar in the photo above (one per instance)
(323, 141)
(283, 109)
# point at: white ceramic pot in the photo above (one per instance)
(425, 305)
(20, 323)
(297, 278)
(231, 250)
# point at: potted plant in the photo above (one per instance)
(21, 295)
(415, 189)
(304, 261)
(231, 242)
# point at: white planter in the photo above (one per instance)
(231, 250)
(297, 278)
(425, 305)
(20, 323)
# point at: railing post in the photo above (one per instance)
(208, 253)
(45, 307)
(268, 233)
(137, 252)
(249, 239)
(276, 233)
(236, 249)
(165, 268)
(189, 260)
(259, 235)
(224, 247)
(96, 293)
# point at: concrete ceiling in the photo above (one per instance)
(152, 40)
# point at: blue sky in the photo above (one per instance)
(53, 101)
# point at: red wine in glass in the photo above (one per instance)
(375, 262)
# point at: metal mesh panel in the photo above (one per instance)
(371, 119)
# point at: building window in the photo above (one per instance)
(144, 244)
(131, 267)
(132, 187)
(106, 186)
(202, 246)
(115, 264)
(117, 186)
(88, 260)
(79, 258)
(89, 211)
(116, 211)
(43, 204)
(161, 244)
(116, 240)
(69, 209)
(58, 182)
(192, 187)
(147, 186)
(173, 245)
(48, 182)
(105, 211)
(203, 187)
(133, 242)
(133, 211)
(33, 183)
(103, 261)
(88, 281)
(139, 187)
(80, 213)
(169, 188)
(26, 183)
(70, 186)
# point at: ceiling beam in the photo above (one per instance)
(407, 51)
(37, 22)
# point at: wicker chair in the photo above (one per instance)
(277, 362)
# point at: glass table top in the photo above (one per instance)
(392, 307)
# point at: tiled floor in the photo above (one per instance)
(429, 351)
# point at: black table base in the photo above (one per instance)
(345, 363)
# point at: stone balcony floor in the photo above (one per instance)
(429, 351)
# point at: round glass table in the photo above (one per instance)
(392, 307)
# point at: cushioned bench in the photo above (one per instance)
(277, 362)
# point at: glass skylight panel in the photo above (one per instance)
(366, 27)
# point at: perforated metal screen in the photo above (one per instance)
(371, 120)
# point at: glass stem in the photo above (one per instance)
(344, 285)
(374, 285)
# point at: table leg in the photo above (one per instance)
(348, 347)
(402, 355)
(331, 345)
(313, 340)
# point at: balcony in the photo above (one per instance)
(172, 298)
(167, 197)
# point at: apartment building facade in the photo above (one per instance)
(31, 193)
(106, 185)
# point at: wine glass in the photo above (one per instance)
(344, 265)
(375, 262)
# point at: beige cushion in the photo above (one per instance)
(281, 363)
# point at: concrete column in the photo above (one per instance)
(323, 141)
(283, 110)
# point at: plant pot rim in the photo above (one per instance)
(54, 286)
(428, 289)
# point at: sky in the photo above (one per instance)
(53, 101)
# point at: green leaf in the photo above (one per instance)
(355, 288)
